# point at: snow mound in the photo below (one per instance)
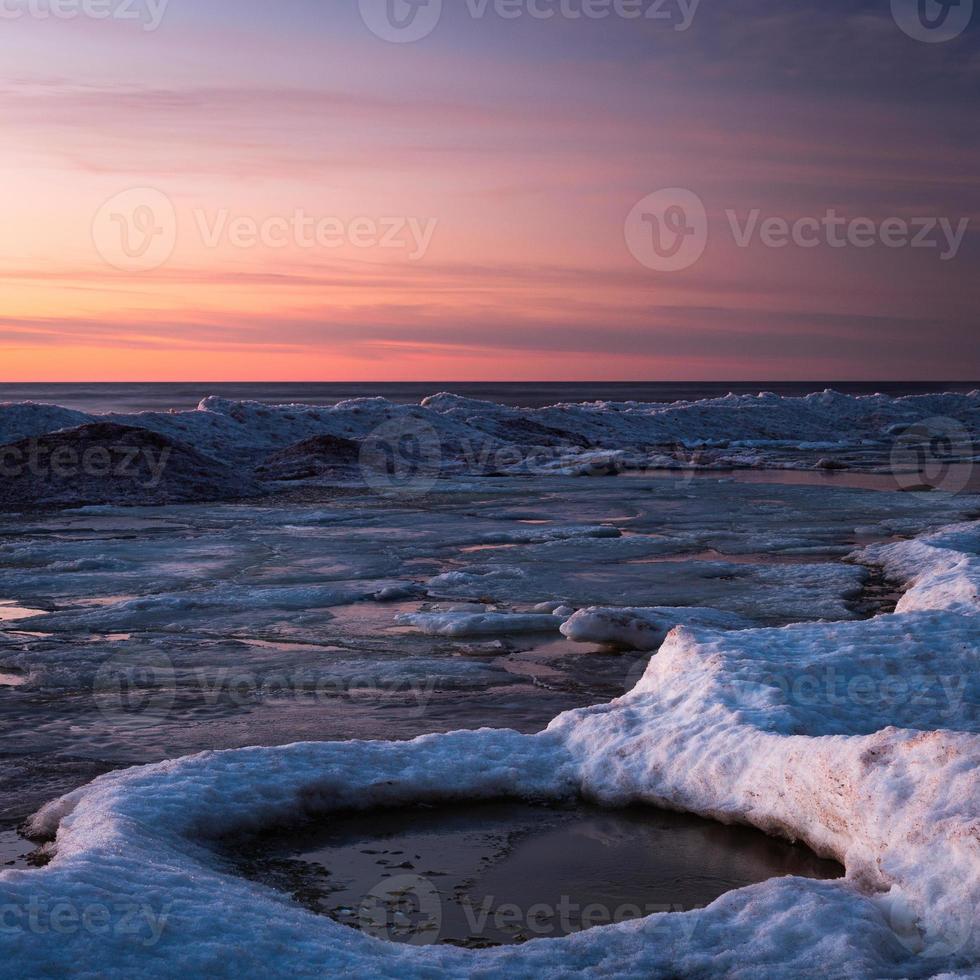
(460, 623)
(21, 420)
(643, 628)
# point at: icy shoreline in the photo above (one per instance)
(407, 448)
(805, 731)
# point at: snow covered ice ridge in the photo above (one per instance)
(804, 731)
(451, 435)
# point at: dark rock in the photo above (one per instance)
(107, 463)
(320, 456)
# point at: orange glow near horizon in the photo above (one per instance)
(518, 164)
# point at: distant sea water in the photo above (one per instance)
(183, 396)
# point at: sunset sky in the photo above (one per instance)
(522, 144)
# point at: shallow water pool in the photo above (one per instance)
(506, 872)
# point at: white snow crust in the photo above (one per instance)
(642, 629)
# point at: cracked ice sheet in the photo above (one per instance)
(208, 594)
(705, 730)
(718, 725)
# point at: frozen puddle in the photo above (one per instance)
(17, 851)
(505, 872)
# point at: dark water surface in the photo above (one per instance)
(138, 397)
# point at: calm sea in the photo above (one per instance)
(136, 397)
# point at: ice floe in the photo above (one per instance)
(642, 629)
(464, 623)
